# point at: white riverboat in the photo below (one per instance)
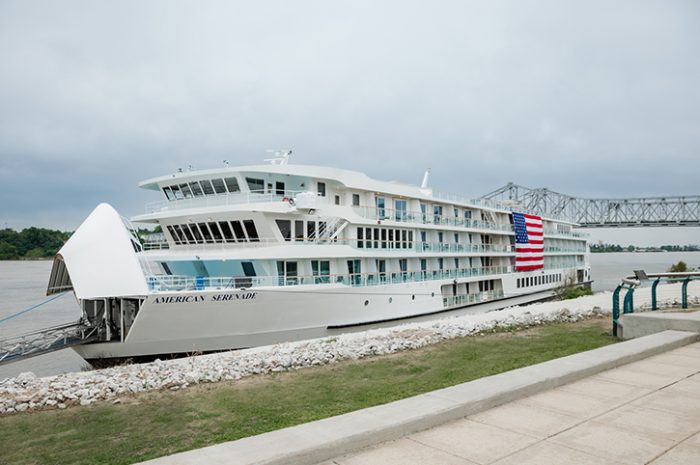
(256, 255)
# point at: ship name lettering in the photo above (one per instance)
(238, 296)
(179, 299)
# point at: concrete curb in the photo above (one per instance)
(321, 440)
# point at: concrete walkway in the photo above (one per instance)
(588, 392)
(646, 412)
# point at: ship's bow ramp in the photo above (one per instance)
(99, 260)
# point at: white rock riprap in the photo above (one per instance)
(28, 392)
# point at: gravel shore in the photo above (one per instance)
(28, 392)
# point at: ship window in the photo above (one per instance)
(216, 234)
(400, 207)
(195, 232)
(218, 184)
(337, 200)
(207, 187)
(391, 238)
(176, 192)
(410, 239)
(256, 185)
(437, 214)
(248, 269)
(176, 232)
(250, 229)
(196, 190)
(456, 238)
(397, 239)
(186, 232)
(186, 190)
(226, 230)
(289, 271)
(321, 269)
(376, 238)
(404, 238)
(368, 235)
(175, 237)
(311, 230)
(322, 229)
(360, 242)
(238, 231)
(232, 184)
(279, 188)
(168, 193)
(356, 200)
(321, 189)
(441, 263)
(440, 237)
(206, 233)
(403, 265)
(383, 238)
(285, 227)
(299, 230)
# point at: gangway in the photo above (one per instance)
(46, 340)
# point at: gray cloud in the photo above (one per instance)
(590, 98)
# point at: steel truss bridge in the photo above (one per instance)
(602, 213)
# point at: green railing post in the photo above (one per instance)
(684, 293)
(628, 306)
(654, 306)
(615, 309)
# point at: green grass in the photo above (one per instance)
(155, 424)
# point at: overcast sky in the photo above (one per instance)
(593, 99)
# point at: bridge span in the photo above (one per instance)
(603, 213)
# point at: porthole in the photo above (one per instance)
(390, 299)
(366, 303)
(432, 294)
(413, 297)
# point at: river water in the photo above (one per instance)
(23, 284)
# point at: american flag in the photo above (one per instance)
(529, 242)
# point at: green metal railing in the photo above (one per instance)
(630, 283)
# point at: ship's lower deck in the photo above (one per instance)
(213, 320)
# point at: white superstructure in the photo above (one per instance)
(260, 254)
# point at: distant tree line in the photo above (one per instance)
(30, 243)
(35, 243)
(608, 248)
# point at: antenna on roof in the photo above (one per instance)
(281, 157)
(179, 170)
(226, 162)
(424, 185)
(426, 178)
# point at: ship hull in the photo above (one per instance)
(198, 322)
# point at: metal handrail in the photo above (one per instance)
(384, 244)
(215, 200)
(166, 283)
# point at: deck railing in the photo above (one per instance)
(220, 199)
(384, 245)
(462, 300)
(167, 283)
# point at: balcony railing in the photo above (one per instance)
(217, 200)
(462, 300)
(384, 245)
(404, 216)
(169, 283)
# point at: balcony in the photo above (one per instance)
(218, 200)
(168, 283)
